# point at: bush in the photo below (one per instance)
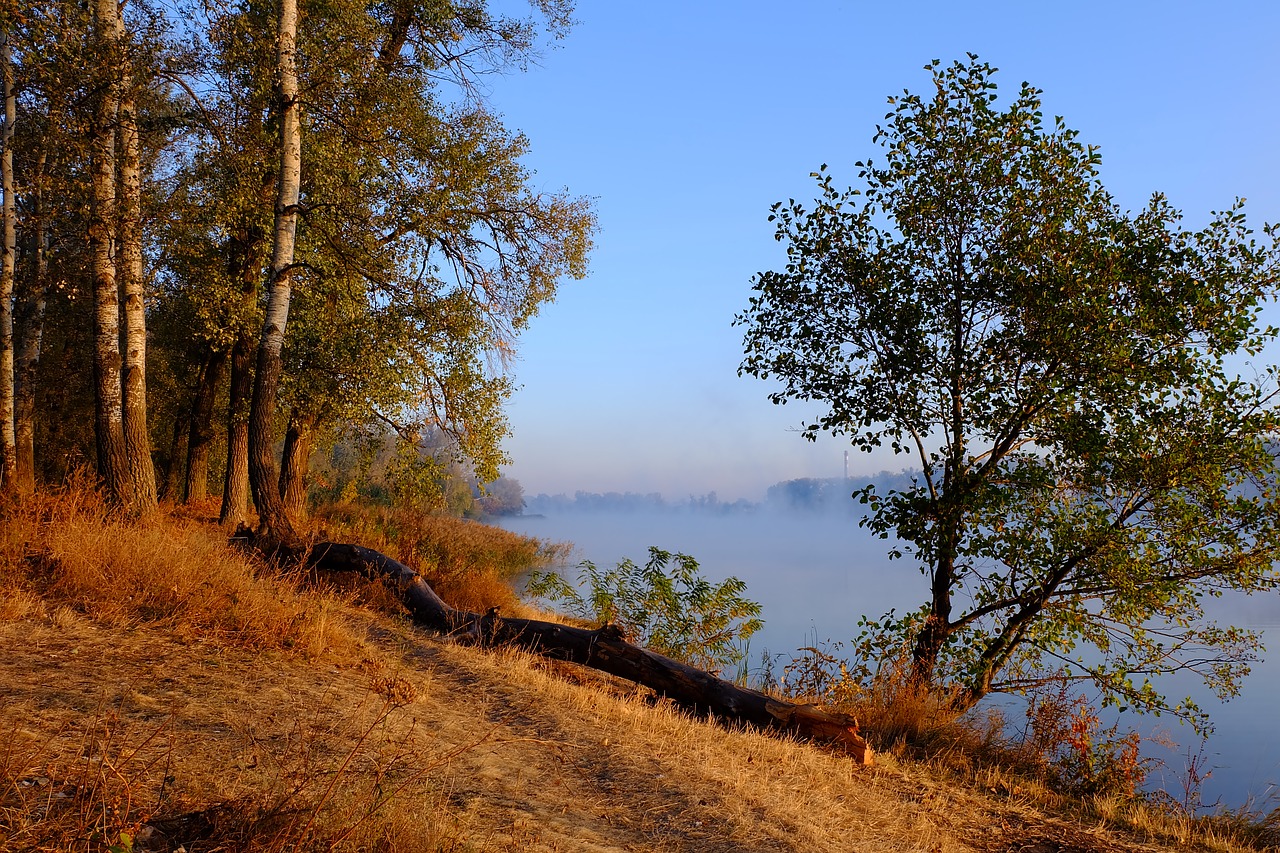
(1077, 754)
(681, 615)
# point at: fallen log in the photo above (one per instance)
(603, 649)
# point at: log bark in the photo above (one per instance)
(603, 649)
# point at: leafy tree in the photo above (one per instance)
(504, 496)
(1090, 465)
(418, 207)
(674, 612)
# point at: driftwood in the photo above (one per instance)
(603, 649)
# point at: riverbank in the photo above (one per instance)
(189, 695)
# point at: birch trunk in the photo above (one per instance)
(113, 463)
(137, 439)
(8, 256)
(235, 482)
(247, 258)
(273, 520)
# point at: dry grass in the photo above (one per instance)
(471, 565)
(979, 751)
(66, 550)
(113, 738)
(161, 689)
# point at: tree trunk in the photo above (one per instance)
(137, 439)
(31, 336)
(295, 462)
(246, 264)
(202, 433)
(273, 520)
(602, 649)
(113, 463)
(8, 266)
(175, 475)
(235, 481)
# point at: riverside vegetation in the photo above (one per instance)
(162, 687)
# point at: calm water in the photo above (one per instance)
(816, 574)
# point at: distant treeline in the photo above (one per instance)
(544, 504)
(832, 494)
(807, 494)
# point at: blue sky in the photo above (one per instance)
(685, 121)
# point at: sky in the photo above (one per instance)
(685, 121)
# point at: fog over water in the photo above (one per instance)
(816, 573)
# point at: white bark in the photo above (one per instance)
(286, 219)
(8, 437)
(262, 469)
(142, 472)
(109, 408)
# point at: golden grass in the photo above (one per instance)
(471, 565)
(67, 550)
(206, 752)
(153, 676)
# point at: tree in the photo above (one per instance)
(115, 235)
(54, 70)
(418, 232)
(504, 496)
(8, 254)
(107, 37)
(262, 468)
(1091, 466)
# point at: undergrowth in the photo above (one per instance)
(666, 605)
(471, 565)
(1061, 757)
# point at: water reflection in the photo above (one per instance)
(816, 574)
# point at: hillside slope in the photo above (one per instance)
(160, 690)
(467, 750)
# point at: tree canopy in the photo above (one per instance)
(1095, 454)
(234, 165)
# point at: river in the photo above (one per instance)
(815, 574)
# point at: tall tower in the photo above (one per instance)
(846, 464)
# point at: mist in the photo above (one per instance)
(815, 572)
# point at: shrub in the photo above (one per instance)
(679, 614)
(1079, 756)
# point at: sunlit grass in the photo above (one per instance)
(471, 565)
(66, 549)
(296, 720)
